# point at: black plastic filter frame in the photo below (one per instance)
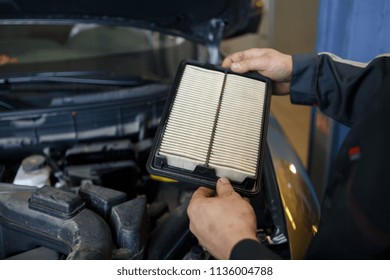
(204, 175)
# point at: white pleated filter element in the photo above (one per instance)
(215, 121)
(186, 140)
(236, 143)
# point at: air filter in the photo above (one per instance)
(213, 126)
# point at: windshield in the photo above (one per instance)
(116, 51)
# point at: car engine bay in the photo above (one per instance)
(74, 183)
(97, 201)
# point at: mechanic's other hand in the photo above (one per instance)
(220, 220)
(268, 62)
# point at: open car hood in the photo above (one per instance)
(202, 21)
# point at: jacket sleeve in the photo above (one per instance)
(341, 88)
(249, 249)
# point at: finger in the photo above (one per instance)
(224, 187)
(260, 64)
(244, 55)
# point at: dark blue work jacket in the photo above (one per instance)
(355, 216)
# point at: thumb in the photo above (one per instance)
(224, 188)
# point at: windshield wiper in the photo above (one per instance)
(75, 77)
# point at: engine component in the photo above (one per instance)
(101, 199)
(130, 222)
(33, 172)
(56, 203)
(121, 175)
(111, 164)
(40, 253)
(99, 152)
(171, 239)
(84, 235)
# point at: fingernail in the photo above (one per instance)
(235, 65)
(224, 180)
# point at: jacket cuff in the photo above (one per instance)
(249, 249)
(303, 80)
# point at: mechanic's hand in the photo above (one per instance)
(268, 62)
(221, 220)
